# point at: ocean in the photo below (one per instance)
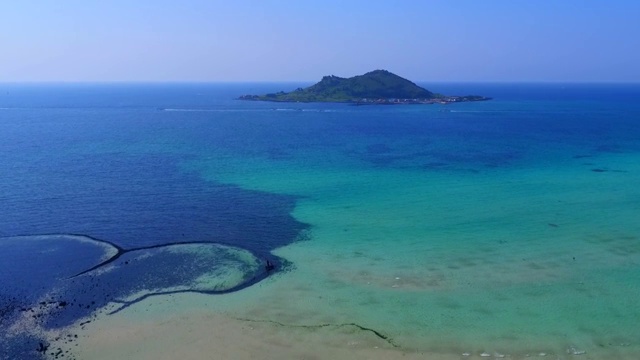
(509, 227)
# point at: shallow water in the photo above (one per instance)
(509, 226)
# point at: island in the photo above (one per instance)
(378, 87)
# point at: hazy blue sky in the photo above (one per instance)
(199, 40)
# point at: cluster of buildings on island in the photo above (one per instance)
(391, 101)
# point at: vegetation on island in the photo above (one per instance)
(375, 87)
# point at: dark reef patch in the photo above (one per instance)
(599, 170)
(136, 201)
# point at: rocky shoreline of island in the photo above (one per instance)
(390, 101)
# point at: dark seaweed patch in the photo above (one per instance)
(377, 333)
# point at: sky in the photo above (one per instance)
(270, 40)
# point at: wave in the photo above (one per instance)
(486, 111)
(305, 110)
(211, 110)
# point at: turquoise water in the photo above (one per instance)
(506, 227)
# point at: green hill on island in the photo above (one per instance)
(375, 87)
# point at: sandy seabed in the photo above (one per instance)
(190, 326)
(207, 335)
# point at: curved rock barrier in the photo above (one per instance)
(51, 281)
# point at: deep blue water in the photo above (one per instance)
(68, 168)
(108, 161)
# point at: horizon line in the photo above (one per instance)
(150, 82)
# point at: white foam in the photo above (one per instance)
(574, 351)
(210, 110)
